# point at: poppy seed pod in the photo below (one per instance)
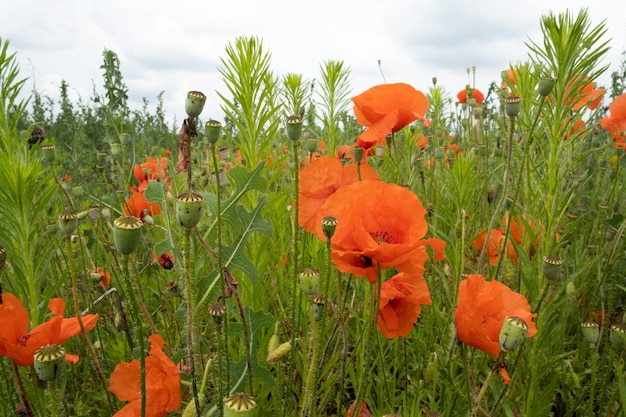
(358, 154)
(116, 148)
(618, 334)
(127, 234)
(294, 127)
(48, 151)
(329, 224)
(545, 86)
(49, 362)
(213, 129)
(309, 281)
(318, 306)
(217, 311)
(551, 266)
(239, 404)
(194, 103)
(189, 209)
(591, 332)
(512, 106)
(512, 333)
(67, 223)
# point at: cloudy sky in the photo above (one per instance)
(176, 46)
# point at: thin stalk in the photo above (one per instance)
(485, 387)
(54, 401)
(193, 342)
(309, 390)
(20, 387)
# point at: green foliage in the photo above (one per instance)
(334, 100)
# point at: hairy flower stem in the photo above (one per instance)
(20, 387)
(193, 340)
(309, 387)
(83, 335)
(142, 346)
(54, 400)
(481, 393)
(141, 303)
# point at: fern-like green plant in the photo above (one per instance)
(334, 100)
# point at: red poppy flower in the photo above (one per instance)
(162, 383)
(580, 94)
(149, 171)
(495, 245)
(137, 203)
(387, 108)
(344, 153)
(319, 180)
(508, 78)
(577, 131)
(363, 410)
(378, 224)
(401, 300)
(17, 343)
(483, 306)
(105, 280)
(462, 95)
(615, 124)
(422, 143)
(166, 260)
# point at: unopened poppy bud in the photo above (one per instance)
(311, 145)
(309, 282)
(213, 129)
(294, 127)
(358, 154)
(551, 266)
(491, 194)
(434, 81)
(67, 223)
(127, 234)
(96, 277)
(513, 333)
(194, 103)
(189, 207)
(318, 306)
(273, 343)
(48, 152)
(239, 404)
(277, 350)
(217, 311)
(618, 334)
(329, 224)
(190, 409)
(512, 106)
(545, 86)
(49, 362)
(591, 332)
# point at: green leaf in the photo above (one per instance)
(155, 193)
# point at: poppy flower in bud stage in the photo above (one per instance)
(615, 124)
(319, 180)
(387, 108)
(19, 344)
(401, 300)
(378, 224)
(464, 94)
(162, 383)
(483, 306)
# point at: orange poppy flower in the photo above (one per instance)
(495, 242)
(476, 93)
(166, 260)
(137, 203)
(579, 95)
(149, 171)
(363, 410)
(162, 383)
(319, 180)
(105, 280)
(422, 143)
(401, 300)
(615, 124)
(483, 306)
(378, 224)
(577, 131)
(345, 153)
(508, 78)
(387, 108)
(20, 345)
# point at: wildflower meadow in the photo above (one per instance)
(457, 251)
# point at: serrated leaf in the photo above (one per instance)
(154, 193)
(163, 247)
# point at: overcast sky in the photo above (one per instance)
(176, 46)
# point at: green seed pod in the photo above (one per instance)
(48, 152)
(217, 311)
(67, 223)
(309, 282)
(440, 152)
(116, 149)
(239, 404)
(358, 152)
(189, 209)
(618, 334)
(512, 106)
(318, 306)
(49, 362)
(194, 103)
(545, 86)
(329, 224)
(591, 332)
(513, 333)
(127, 234)
(552, 265)
(294, 127)
(212, 130)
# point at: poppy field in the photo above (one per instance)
(456, 251)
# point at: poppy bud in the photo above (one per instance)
(49, 362)
(512, 106)
(618, 334)
(358, 154)
(217, 310)
(239, 404)
(591, 332)
(189, 209)
(329, 224)
(277, 350)
(126, 234)
(67, 223)
(545, 86)
(309, 281)
(552, 266)
(294, 127)
(213, 129)
(512, 333)
(194, 103)
(96, 277)
(318, 306)
(48, 152)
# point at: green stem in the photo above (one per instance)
(53, 406)
(193, 343)
(309, 389)
(20, 386)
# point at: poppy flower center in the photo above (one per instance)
(382, 237)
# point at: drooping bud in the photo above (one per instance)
(194, 103)
(189, 207)
(127, 234)
(513, 333)
(49, 362)
(239, 404)
(294, 127)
